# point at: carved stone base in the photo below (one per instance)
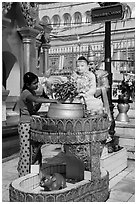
(89, 154)
(27, 189)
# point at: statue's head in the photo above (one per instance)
(82, 64)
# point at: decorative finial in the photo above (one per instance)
(91, 54)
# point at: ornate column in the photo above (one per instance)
(38, 44)
(45, 48)
(28, 34)
(45, 45)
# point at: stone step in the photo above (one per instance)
(125, 141)
(130, 147)
(12, 119)
(9, 130)
(125, 130)
(10, 102)
(130, 152)
(114, 162)
(126, 134)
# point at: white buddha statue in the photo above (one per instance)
(86, 84)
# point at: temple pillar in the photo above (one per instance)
(45, 48)
(45, 45)
(38, 44)
(28, 35)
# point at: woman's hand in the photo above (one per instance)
(54, 101)
(81, 95)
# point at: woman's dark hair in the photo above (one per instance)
(28, 78)
(83, 58)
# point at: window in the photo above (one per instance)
(46, 20)
(88, 16)
(67, 19)
(78, 18)
(56, 20)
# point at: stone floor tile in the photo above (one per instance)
(117, 178)
(5, 196)
(127, 186)
(122, 174)
(9, 179)
(132, 199)
(114, 181)
(131, 165)
(119, 195)
(131, 175)
(6, 185)
(7, 175)
(111, 200)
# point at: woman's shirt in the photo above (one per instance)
(27, 107)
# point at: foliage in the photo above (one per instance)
(65, 91)
(127, 88)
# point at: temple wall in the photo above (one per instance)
(12, 47)
(13, 81)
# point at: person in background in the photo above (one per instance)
(29, 104)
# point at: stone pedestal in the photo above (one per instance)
(27, 189)
(84, 137)
(114, 162)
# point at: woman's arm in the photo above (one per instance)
(37, 99)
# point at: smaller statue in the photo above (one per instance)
(53, 182)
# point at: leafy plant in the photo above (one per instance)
(65, 91)
(127, 88)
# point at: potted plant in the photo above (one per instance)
(127, 92)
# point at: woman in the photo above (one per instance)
(29, 104)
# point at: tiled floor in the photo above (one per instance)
(122, 186)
